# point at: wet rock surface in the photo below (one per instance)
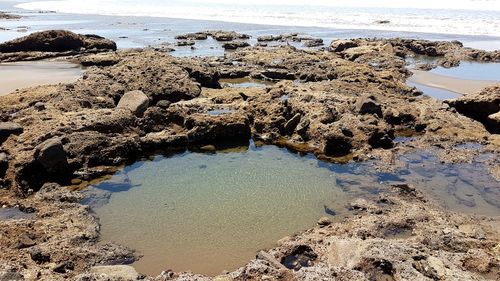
(343, 104)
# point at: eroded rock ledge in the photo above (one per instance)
(348, 103)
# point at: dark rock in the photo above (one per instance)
(51, 155)
(38, 256)
(4, 164)
(56, 41)
(277, 74)
(9, 128)
(235, 45)
(135, 101)
(337, 145)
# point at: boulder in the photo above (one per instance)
(9, 128)
(120, 272)
(235, 45)
(56, 41)
(52, 156)
(342, 45)
(482, 106)
(135, 101)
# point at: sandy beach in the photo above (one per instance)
(20, 75)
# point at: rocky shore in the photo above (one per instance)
(346, 102)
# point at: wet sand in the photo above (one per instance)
(461, 86)
(18, 75)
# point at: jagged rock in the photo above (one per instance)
(51, 155)
(56, 41)
(135, 101)
(235, 45)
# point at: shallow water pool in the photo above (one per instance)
(209, 212)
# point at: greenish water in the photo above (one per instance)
(212, 212)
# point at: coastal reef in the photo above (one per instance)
(346, 102)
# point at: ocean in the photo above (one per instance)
(460, 17)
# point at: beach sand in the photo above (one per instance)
(18, 75)
(461, 86)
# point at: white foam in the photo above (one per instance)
(480, 18)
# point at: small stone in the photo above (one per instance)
(135, 101)
(324, 221)
(208, 148)
(39, 106)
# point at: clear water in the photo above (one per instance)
(212, 212)
(472, 71)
